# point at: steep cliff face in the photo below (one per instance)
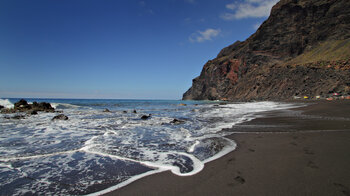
(303, 48)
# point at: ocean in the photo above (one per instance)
(94, 152)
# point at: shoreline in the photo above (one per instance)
(275, 152)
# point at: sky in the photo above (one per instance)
(117, 49)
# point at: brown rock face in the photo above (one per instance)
(303, 48)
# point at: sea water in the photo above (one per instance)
(94, 151)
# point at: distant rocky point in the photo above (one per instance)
(301, 51)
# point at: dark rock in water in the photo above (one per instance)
(125, 112)
(106, 110)
(18, 117)
(42, 106)
(177, 121)
(134, 112)
(22, 105)
(60, 117)
(32, 112)
(1, 107)
(145, 117)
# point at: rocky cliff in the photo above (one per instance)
(302, 49)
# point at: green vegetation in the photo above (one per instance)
(331, 50)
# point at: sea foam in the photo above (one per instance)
(86, 148)
(6, 103)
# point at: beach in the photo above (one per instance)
(302, 151)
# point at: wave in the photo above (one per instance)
(106, 139)
(6, 103)
(64, 106)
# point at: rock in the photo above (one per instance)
(134, 111)
(125, 112)
(177, 121)
(275, 64)
(182, 104)
(106, 110)
(145, 117)
(32, 112)
(42, 106)
(60, 117)
(1, 107)
(22, 105)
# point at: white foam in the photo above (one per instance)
(197, 165)
(125, 137)
(6, 103)
(191, 148)
(227, 149)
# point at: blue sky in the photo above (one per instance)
(116, 48)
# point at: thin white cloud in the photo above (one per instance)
(248, 9)
(206, 35)
(231, 6)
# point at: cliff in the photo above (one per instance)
(302, 49)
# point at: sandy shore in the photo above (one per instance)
(304, 151)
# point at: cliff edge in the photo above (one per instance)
(302, 49)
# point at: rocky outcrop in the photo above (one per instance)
(177, 121)
(23, 106)
(60, 117)
(106, 110)
(42, 106)
(145, 117)
(303, 48)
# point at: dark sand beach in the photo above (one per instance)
(303, 151)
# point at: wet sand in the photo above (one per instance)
(304, 151)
